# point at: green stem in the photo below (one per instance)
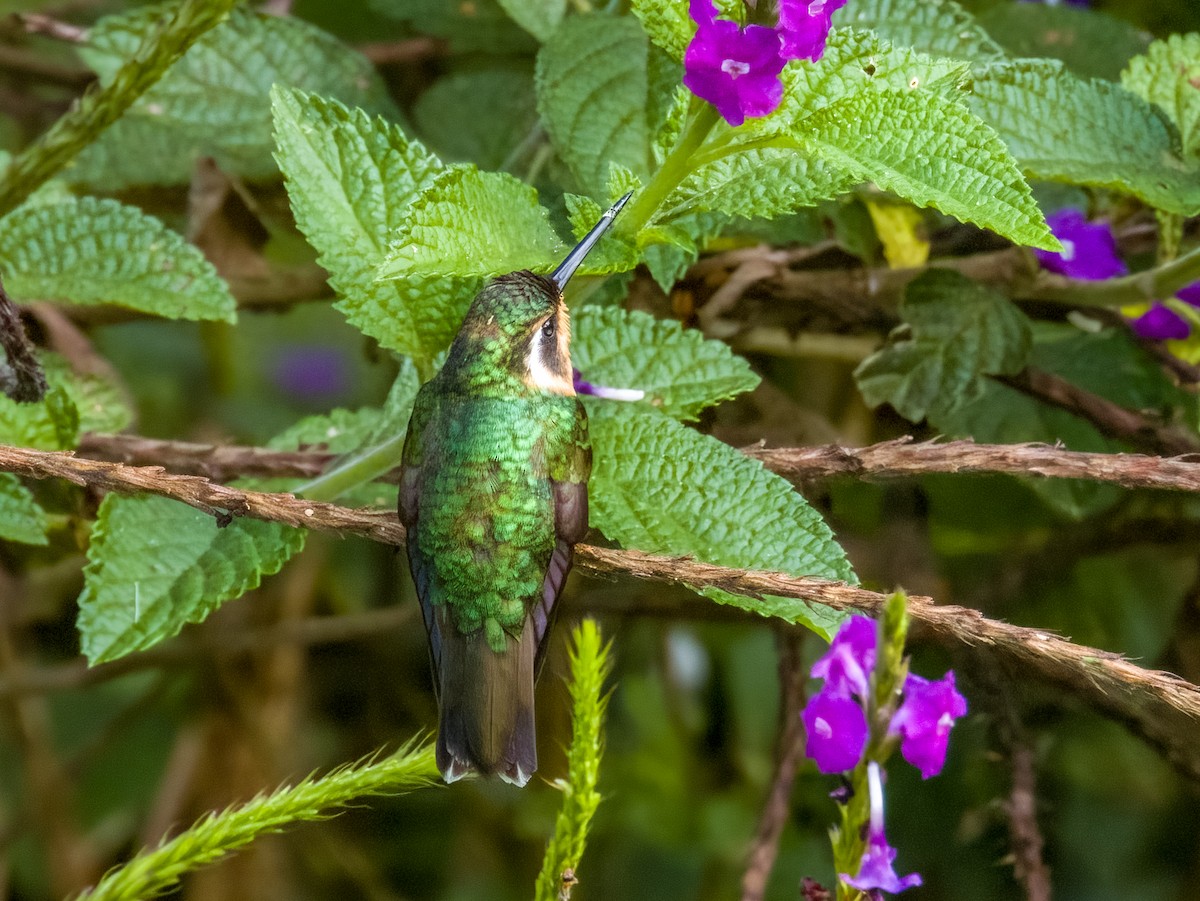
(1153, 284)
(675, 168)
(98, 109)
(354, 471)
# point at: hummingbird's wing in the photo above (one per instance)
(570, 526)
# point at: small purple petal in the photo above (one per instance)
(309, 371)
(702, 11)
(1161, 323)
(1089, 250)
(1190, 294)
(804, 27)
(875, 873)
(837, 732)
(925, 719)
(846, 666)
(735, 69)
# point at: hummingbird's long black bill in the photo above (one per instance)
(567, 267)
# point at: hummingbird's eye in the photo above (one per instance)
(548, 328)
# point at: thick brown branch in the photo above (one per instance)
(891, 459)
(1161, 707)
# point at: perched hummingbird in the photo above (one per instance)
(493, 493)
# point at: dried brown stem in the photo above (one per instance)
(790, 752)
(1161, 707)
(899, 458)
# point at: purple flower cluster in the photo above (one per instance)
(835, 718)
(1090, 254)
(837, 729)
(737, 69)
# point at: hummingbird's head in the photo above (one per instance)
(517, 332)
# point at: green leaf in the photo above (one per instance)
(352, 181)
(155, 564)
(213, 102)
(91, 251)
(960, 332)
(854, 63)
(1168, 75)
(538, 17)
(73, 404)
(473, 223)
(1090, 133)
(931, 26)
(602, 93)
(667, 23)
(1089, 43)
(680, 370)
(661, 487)
(679, 245)
(762, 183)
(21, 519)
(478, 116)
(480, 25)
(935, 153)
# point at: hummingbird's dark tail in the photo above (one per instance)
(486, 702)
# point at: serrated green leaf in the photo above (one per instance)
(936, 153)
(661, 487)
(680, 370)
(1168, 75)
(858, 62)
(155, 564)
(679, 244)
(932, 26)
(960, 331)
(601, 89)
(762, 183)
(473, 223)
(667, 24)
(73, 404)
(1090, 133)
(91, 251)
(1088, 42)
(213, 102)
(21, 519)
(352, 180)
(538, 17)
(478, 116)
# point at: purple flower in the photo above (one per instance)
(804, 27)
(925, 719)
(1161, 323)
(584, 387)
(837, 731)
(1089, 251)
(876, 873)
(846, 666)
(735, 69)
(311, 371)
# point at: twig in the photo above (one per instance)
(39, 23)
(390, 53)
(899, 458)
(1111, 419)
(790, 752)
(22, 378)
(1161, 707)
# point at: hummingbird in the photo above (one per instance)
(493, 493)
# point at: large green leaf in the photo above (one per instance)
(21, 519)
(472, 223)
(90, 251)
(679, 369)
(935, 153)
(602, 92)
(958, 332)
(74, 403)
(155, 564)
(352, 181)
(661, 487)
(478, 116)
(1168, 75)
(213, 102)
(538, 17)
(941, 27)
(1090, 133)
